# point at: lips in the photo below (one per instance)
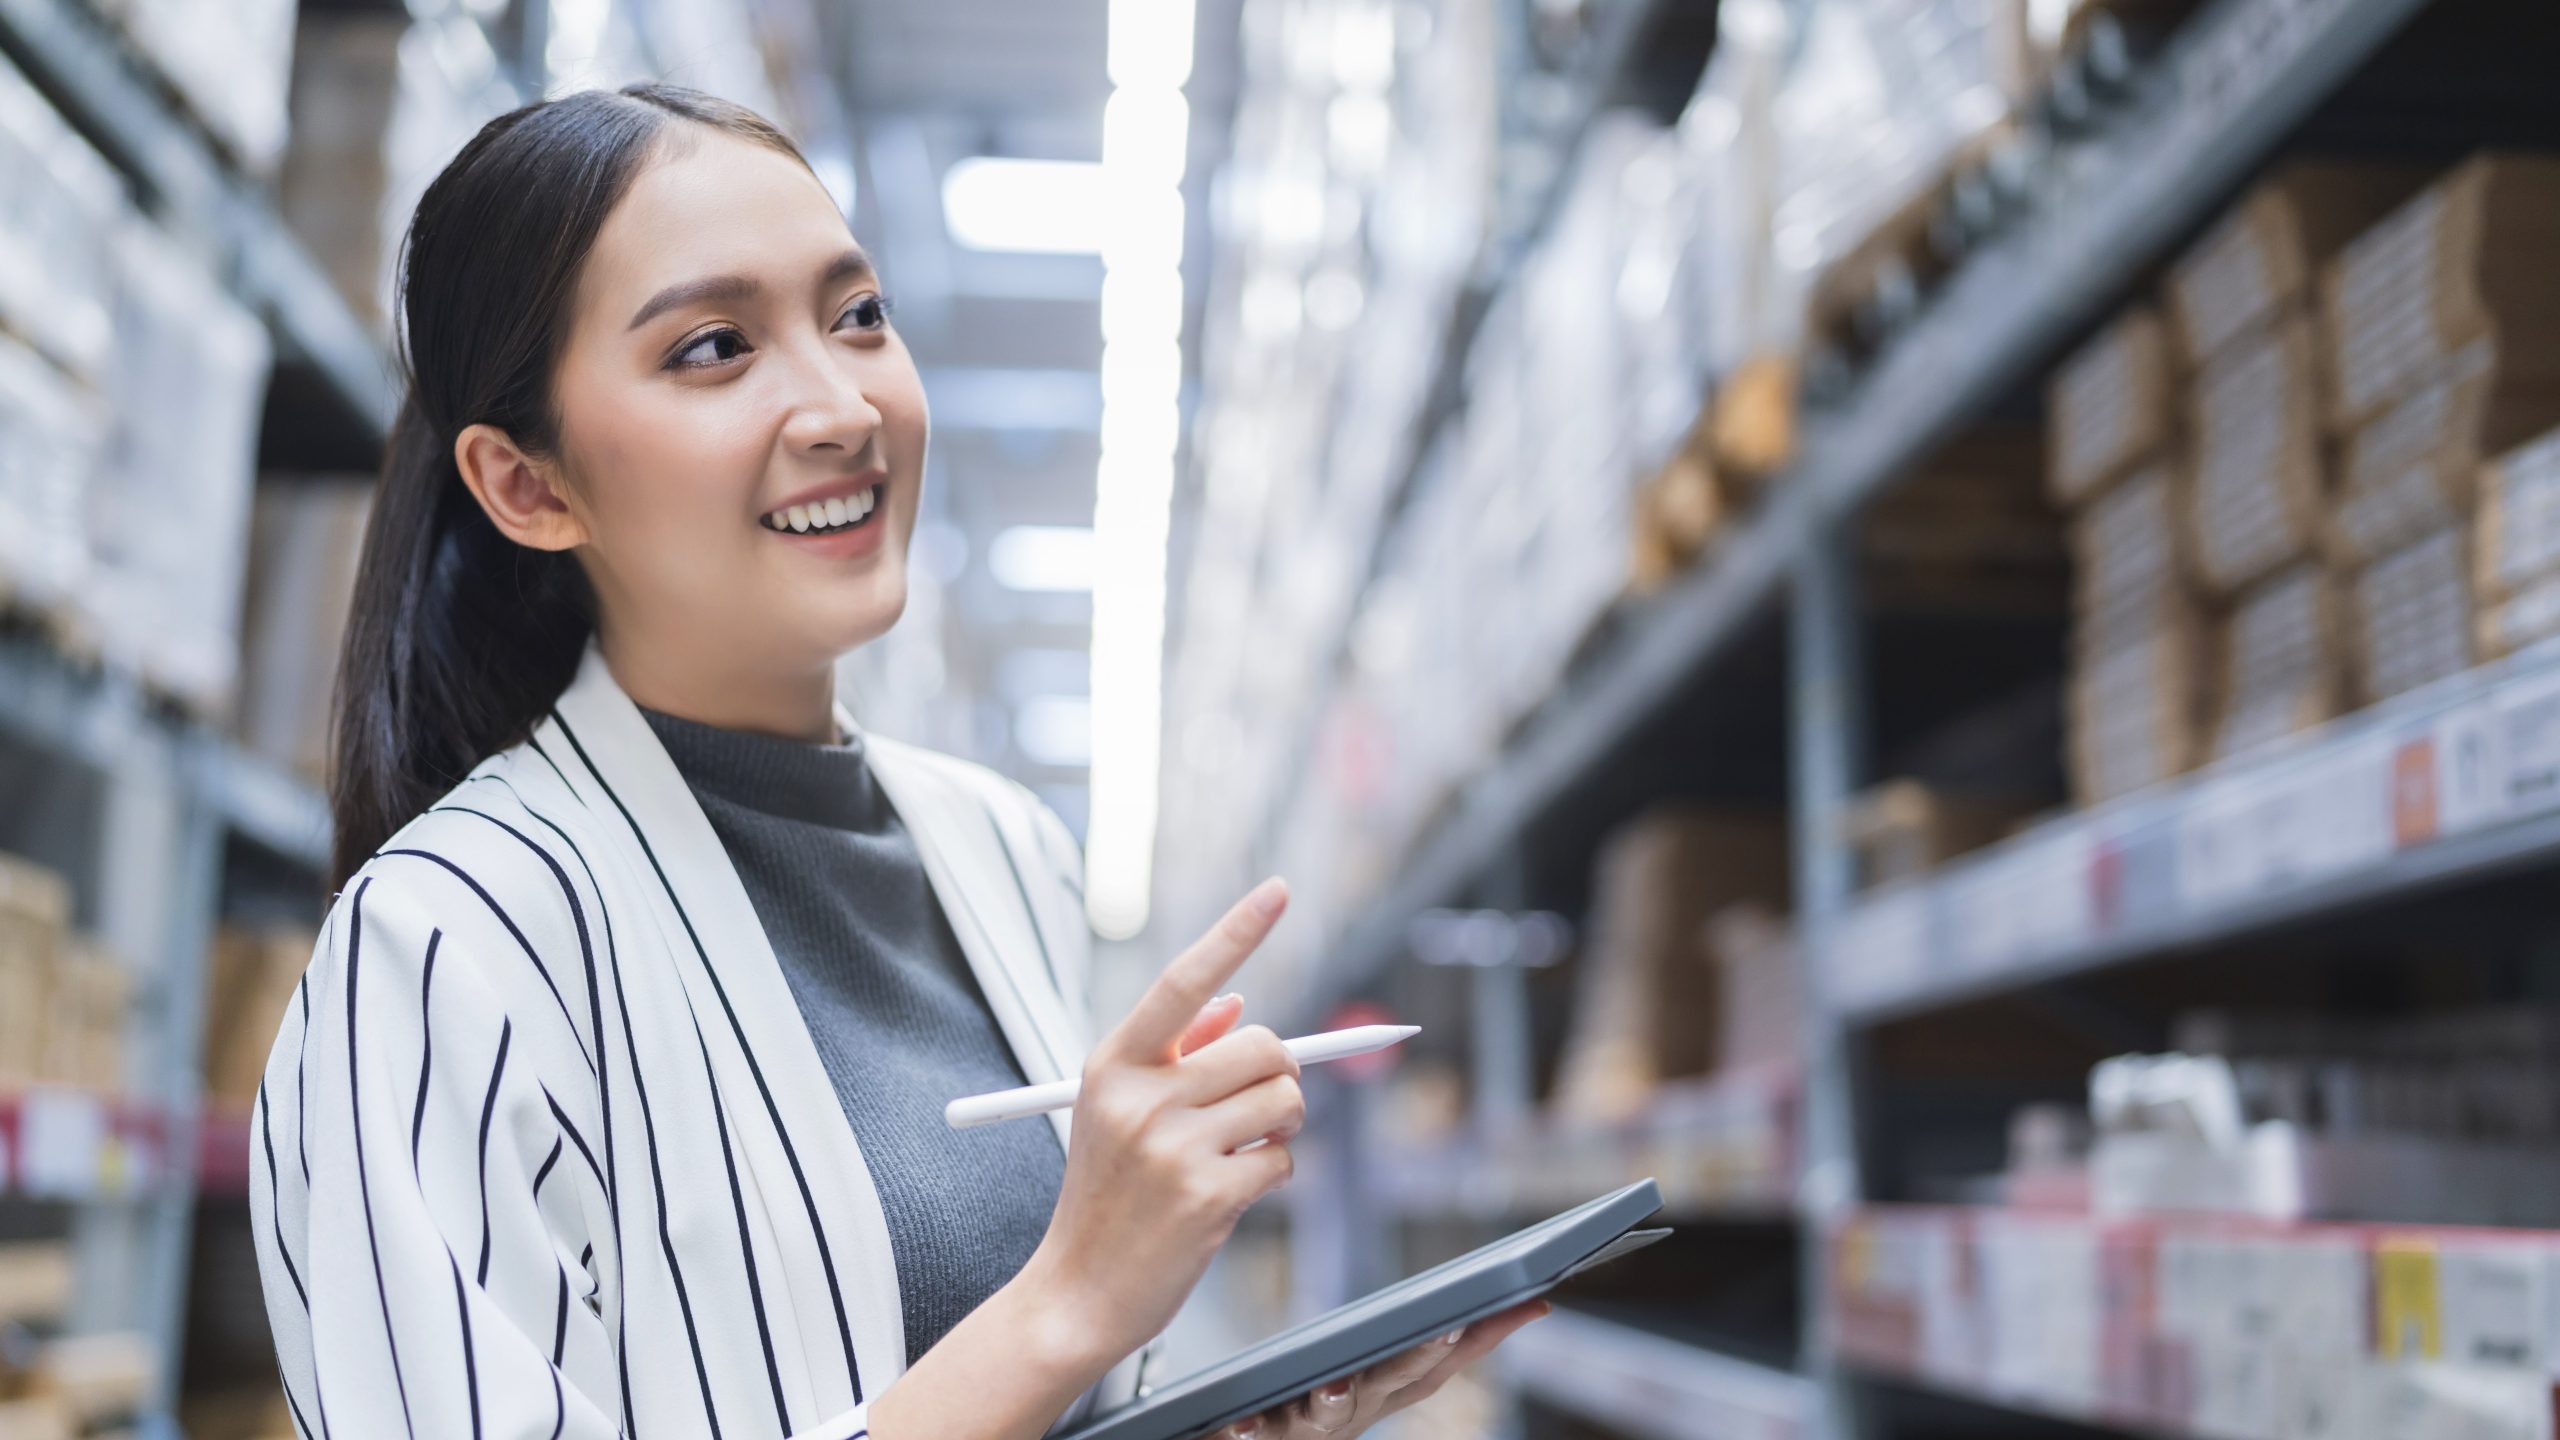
(848, 509)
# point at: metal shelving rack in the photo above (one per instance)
(2231, 85)
(158, 800)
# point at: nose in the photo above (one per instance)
(828, 410)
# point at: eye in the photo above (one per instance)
(725, 332)
(870, 312)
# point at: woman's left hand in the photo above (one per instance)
(1342, 1409)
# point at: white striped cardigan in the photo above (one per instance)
(544, 1150)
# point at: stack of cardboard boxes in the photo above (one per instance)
(2293, 535)
(2443, 321)
(255, 971)
(64, 1000)
(2115, 462)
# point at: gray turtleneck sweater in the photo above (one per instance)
(897, 1014)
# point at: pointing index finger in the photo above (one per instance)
(1155, 1025)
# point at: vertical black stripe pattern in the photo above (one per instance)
(364, 1183)
(488, 1111)
(509, 922)
(746, 1242)
(773, 1112)
(426, 1045)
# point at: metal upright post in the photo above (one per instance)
(1829, 741)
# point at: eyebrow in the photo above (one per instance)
(851, 263)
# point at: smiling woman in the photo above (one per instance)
(611, 1100)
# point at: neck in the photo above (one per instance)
(793, 705)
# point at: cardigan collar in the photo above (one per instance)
(680, 859)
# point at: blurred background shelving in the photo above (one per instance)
(1930, 620)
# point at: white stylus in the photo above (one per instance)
(1023, 1100)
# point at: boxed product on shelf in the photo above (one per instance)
(2246, 1330)
(2110, 407)
(35, 916)
(255, 972)
(168, 509)
(2283, 660)
(2517, 542)
(52, 432)
(1904, 829)
(57, 193)
(1677, 511)
(2517, 549)
(37, 1418)
(336, 178)
(2260, 481)
(88, 1007)
(2133, 553)
(2264, 255)
(1759, 988)
(1645, 1007)
(2467, 258)
(1755, 416)
(230, 63)
(97, 1377)
(2411, 470)
(35, 1280)
(305, 537)
(2413, 616)
(2136, 706)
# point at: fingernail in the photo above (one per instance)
(1245, 1429)
(1266, 897)
(1452, 1337)
(1336, 1390)
(1230, 995)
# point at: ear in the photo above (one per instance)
(521, 495)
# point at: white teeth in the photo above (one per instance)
(842, 510)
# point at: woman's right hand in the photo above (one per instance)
(1156, 1176)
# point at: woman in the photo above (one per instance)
(610, 1104)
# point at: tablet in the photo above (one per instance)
(1386, 1322)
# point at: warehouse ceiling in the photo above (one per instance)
(1009, 342)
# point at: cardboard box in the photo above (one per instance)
(97, 1377)
(2132, 547)
(1755, 416)
(2518, 531)
(2264, 255)
(2136, 704)
(1645, 997)
(2283, 660)
(35, 914)
(305, 539)
(2260, 478)
(255, 972)
(2413, 620)
(1759, 988)
(35, 1280)
(91, 1003)
(2468, 257)
(2411, 472)
(1904, 829)
(2109, 406)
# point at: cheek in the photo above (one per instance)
(664, 479)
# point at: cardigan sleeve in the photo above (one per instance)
(433, 1235)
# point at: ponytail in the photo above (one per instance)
(459, 639)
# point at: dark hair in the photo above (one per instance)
(459, 639)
